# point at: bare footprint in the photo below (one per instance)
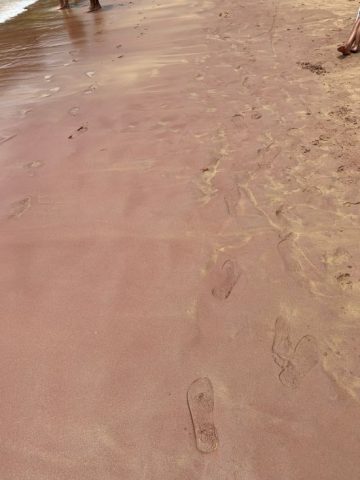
(90, 90)
(200, 397)
(24, 111)
(304, 359)
(282, 347)
(19, 208)
(228, 277)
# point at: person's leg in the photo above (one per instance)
(64, 4)
(356, 44)
(346, 48)
(94, 5)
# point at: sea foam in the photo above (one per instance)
(11, 8)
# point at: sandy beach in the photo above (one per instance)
(179, 249)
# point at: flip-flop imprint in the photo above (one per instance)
(200, 397)
(296, 362)
(305, 358)
(228, 277)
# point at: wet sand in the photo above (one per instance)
(180, 260)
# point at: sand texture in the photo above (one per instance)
(179, 248)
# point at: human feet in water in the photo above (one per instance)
(94, 5)
(64, 4)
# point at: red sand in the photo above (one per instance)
(190, 178)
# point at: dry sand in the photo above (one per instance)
(180, 200)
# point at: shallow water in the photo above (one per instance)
(12, 8)
(36, 39)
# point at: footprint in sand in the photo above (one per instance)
(227, 279)
(19, 208)
(238, 119)
(282, 347)
(344, 280)
(31, 166)
(24, 112)
(74, 54)
(304, 359)
(337, 264)
(90, 90)
(200, 397)
(74, 111)
(295, 363)
(79, 131)
(231, 199)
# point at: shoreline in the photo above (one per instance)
(15, 11)
(175, 178)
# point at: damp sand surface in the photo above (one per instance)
(180, 260)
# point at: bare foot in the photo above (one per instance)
(94, 9)
(64, 5)
(344, 50)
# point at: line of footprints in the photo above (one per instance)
(295, 362)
